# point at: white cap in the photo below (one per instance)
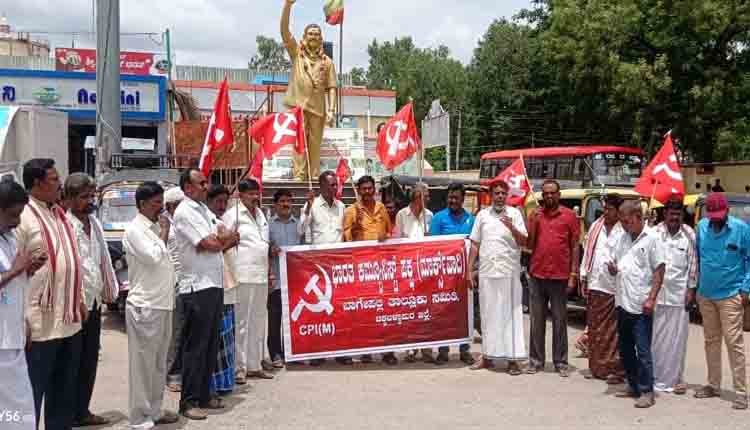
(173, 195)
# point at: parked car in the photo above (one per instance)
(116, 203)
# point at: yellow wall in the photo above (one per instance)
(734, 177)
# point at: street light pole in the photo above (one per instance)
(108, 120)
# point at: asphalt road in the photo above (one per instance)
(411, 396)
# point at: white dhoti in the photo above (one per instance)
(669, 346)
(250, 325)
(16, 395)
(501, 308)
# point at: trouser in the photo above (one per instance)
(53, 370)
(90, 343)
(724, 318)
(548, 296)
(314, 137)
(275, 347)
(634, 333)
(250, 309)
(174, 356)
(148, 333)
(200, 345)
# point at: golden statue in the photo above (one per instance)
(312, 86)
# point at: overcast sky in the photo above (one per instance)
(222, 32)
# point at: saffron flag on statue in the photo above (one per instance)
(518, 184)
(334, 10)
(219, 133)
(662, 178)
(343, 173)
(279, 129)
(398, 140)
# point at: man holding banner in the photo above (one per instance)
(497, 237)
(368, 219)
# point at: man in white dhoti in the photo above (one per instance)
(248, 264)
(671, 319)
(497, 237)
(16, 395)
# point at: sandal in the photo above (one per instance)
(482, 363)
(514, 369)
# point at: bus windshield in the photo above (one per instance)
(613, 168)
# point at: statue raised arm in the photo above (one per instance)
(312, 86)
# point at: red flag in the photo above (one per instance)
(219, 133)
(518, 185)
(343, 173)
(256, 169)
(662, 178)
(278, 129)
(398, 140)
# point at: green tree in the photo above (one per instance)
(271, 55)
(637, 68)
(359, 76)
(422, 75)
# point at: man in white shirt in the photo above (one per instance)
(148, 311)
(321, 222)
(414, 221)
(200, 244)
(322, 218)
(498, 234)
(99, 286)
(671, 318)
(639, 266)
(16, 395)
(248, 264)
(598, 286)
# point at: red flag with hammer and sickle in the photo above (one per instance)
(518, 185)
(398, 140)
(219, 133)
(278, 129)
(663, 177)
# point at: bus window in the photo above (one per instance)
(564, 168)
(594, 210)
(613, 168)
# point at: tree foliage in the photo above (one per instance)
(271, 55)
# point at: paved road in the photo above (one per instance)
(411, 396)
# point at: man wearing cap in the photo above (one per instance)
(723, 244)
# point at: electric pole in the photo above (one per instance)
(108, 119)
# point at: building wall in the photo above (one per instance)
(23, 48)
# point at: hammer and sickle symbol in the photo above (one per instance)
(324, 298)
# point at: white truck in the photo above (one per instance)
(27, 133)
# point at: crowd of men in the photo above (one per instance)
(207, 277)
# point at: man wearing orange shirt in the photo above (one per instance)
(367, 220)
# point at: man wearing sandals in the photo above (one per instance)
(497, 237)
(723, 254)
(671, 318)
(639, 264)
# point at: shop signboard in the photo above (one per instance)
(131, 63)
(141, 97)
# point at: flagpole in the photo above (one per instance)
(340, 91)
(531, 187)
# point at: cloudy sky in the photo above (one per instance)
(222, 32)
